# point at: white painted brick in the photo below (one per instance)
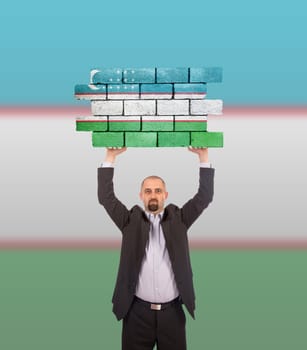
(173, 107)
(91, 97)
(160, 118)
(201, 107)
(156, 96)
(121, 96)
(107, 107)
(189, 118)
(92, 118)
(125, 119)
(140, 107)
(191, 96)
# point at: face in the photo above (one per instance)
(153, 194)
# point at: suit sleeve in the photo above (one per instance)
(195, 206)
(114, 207)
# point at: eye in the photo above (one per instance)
(147, 190)
(158, 190)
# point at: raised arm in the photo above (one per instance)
(114, 207)
(195, 206)
(112, 153)
(202, 153)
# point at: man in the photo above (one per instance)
(155, 276)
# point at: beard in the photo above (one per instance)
(153, 205)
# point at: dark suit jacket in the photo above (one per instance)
(135, 226)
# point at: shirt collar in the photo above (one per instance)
(150, 215)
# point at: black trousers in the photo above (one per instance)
(144, 328)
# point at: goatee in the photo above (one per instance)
(153, 206)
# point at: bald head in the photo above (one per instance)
(153, 194)
(152, 177)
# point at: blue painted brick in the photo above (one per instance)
(88, 92)
(192, 91)
(206, 75)
(139, 75)
(172, 75)
(156, 91)
(106, 76)
(156, 88)
(123, 91)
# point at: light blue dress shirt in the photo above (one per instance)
(156, 282)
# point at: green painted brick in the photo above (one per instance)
(107, 139)
(173, 139)
(124, 123)
(91, 126)
(140, 139)
(122, 126)
(207, 139)
(190, 126)
(158, 123)
(157, 126)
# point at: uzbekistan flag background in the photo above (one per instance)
(58, 249)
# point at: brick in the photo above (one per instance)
(106, 76)
(107, 107)
(107, 139)
(172, 75)
(207, 139)
(140, 107)
(161, 123)
(189, 123)
(123, 91)
(90, 92)
(172, 107)
(156, 91)
(92, 124)
(125, 123)
(204, 107)
(139, 75)
(173, 139)
(140, 139)
(190, 91)
(206, 75)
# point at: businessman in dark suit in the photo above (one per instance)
(155, 275)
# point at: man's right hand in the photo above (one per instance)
(112, 153)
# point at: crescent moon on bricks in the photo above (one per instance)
(93, 72)
(93, 87)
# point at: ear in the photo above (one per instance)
(166, 195)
